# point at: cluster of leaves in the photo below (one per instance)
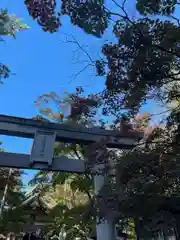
(9, 26)
(73, 203)
(91, 15)
(74, 107)
(14, 180)
(88, 15)
(4, 72)
(11, 196)
(144, 60)
(162, 7)
(14, 220)
(45, 13)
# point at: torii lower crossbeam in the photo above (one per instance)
(59, 164)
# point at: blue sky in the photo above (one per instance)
(42, 63)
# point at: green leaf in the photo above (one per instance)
(81, 183)
(60, 178)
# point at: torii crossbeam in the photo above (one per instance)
(45, 134)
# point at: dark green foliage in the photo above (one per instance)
(100, 67)
(143, 61)
(9, 26)
(162, 7)
(9, 220)
(15, 178)
(88, 15)
(91, 15)
(4, 72)
(12, 180)
(45, 14)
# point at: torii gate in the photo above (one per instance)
(45, 135)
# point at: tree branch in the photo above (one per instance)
(74, 41)
(176, 19)
(90, 62)
(78, 73)
(165, 50)
(126, 17)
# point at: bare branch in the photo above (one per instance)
(118, 5)
(123, 4)
(160, 113)
(124, 11)
(115, 14)
(78, 73)
(176, 19)
(89, 61)
(125, 16)
(74, 41)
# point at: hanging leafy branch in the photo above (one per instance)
(9, 26)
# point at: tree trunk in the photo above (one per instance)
(5, 193)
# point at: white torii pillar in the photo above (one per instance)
(105, 229)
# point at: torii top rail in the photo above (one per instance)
(46, 133)
(24, 127)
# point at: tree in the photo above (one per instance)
(140, 180)
(141, 64)
(73, 192)
(11, 193)
(9, 26)
(83, 111)
(11, 196)
(151, 187)
(146, 51)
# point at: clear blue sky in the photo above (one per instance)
(42, 64)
